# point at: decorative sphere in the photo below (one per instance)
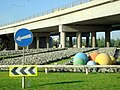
(81, 55)
(78, 61)
(113, 60)
(91, 63)
(103, 59)
(93, 55)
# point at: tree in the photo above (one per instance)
(112, 43)
(101, 42)
(117, 43)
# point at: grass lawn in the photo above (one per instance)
(63, 81)
(61, 61)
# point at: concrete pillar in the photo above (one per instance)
(16, 46)
(87, 41)
(62, 36)
(107, 38)
(70, 41)
(47, 42)
(79, 39)
(93, 35)
(62, 39)
(38, 42)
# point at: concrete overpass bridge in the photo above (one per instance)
(91, 17)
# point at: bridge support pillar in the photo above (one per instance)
(47, 42)
(93, 38)
(107, 38)
(62, 36)
(62, 39)
(37, 41)
(79, 39)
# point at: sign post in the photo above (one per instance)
(23, 37)
(23, 78)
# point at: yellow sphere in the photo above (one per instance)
(113, 60)
(103, 59)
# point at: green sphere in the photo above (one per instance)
(80, 56)
(78, 61)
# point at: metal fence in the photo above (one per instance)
(85, 68)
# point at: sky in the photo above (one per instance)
(12, 10)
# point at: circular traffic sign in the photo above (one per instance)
(23, 37)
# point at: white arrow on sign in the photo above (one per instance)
(23, 37)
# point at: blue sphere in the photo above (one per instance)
(81, 55)
(91, 63)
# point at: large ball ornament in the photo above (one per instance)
(103, 59)
(93, 55)
(81, 55)
(78, 61)
(91, 63)
(113, 60)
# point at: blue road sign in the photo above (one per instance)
(23, 37)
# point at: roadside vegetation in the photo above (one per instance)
(62, 81)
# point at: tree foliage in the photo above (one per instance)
(101, 42)
(113, 42)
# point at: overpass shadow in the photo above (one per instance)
(64, 82)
